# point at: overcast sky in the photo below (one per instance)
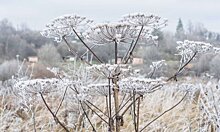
(36, 13)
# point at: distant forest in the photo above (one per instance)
(25, 42)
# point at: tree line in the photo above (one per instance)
(25, 42)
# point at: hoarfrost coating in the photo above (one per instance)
(187, 49)
(141, 19)
(64, 25)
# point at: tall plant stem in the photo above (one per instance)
(116, 92)
(134, 112)
(132, 49)
(93, 128)
(110, 106)
(138, 113)
(126, 109)
(61, 102)
(120, 108)
(74, 52)
(116, 52)
(182, 67)
(127, 53)
(116, 98)
(96, 113)
(107, 107)
(86, 45)
(96, 108)
(54, 116)
(164, 112)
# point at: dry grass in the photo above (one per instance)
(184, 117)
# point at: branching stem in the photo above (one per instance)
(54, 116)
(164, 112)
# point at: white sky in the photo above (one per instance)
(36, 13)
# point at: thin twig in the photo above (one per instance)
(182, 67)
(93, 128)
(87, 50)
(116, 52)
(123, 106)
(123, 98)
(96, 113)
(151, 75)
(138, 113)
(74, 52)
(75, 90)
(86, 45)
(106, 101)
(128, 107)
(131, 51)
(81, 58)
(64, 94)
(165, 112)
(110, 106)
(97, 108)
(134, 112)
(54, 116)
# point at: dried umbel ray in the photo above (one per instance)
(64, 25)
(140, 85)
(141, 19)
(35, 86)
(187, 49)
(111, 33)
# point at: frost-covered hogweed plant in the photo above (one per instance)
(187, 49)
(128, 31)
(108, 91)
(155, 66)
(142, 19)
(140, 85)
(111, 33)
(64, 25)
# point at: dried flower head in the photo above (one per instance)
(140, 85)
(111, 33)
(141, 19)
(188, 48)
(62, 26)
(35, 86)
